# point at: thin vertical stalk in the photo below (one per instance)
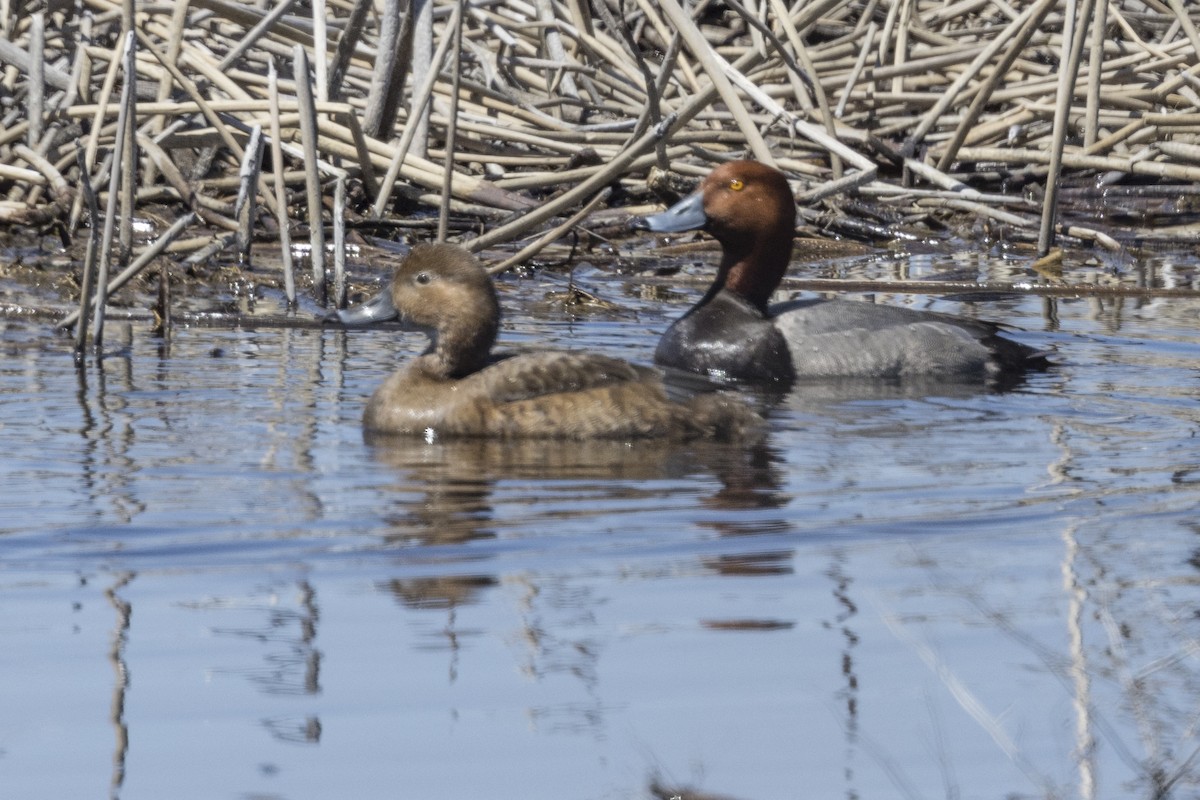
(114, 184)
(420, 98)
(281, 207)
(162, 306)
(79, 61)
(88, 279)
(312, 180)
(387, 79)
(901, 53)
(339, 242)
(422, 64)
(889, 26)
(455, 35)
(320, 50)
(1074, 32)
(852, 78)
(244, 208)
(1091, 117)
(37, 79)
(128, 141)
(102, 100)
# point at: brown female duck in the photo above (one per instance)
(458, 388)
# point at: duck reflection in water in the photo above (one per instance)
(531, 493)
(446, 492)
(459, 388)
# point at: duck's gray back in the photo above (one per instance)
(843, 338)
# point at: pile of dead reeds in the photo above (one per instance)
(976, 107)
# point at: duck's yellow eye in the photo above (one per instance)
(736, 184)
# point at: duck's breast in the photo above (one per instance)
(729, 339)
(411, 403)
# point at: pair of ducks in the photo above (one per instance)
(459, 388)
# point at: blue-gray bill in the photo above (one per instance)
(378, 309)
(686, 215)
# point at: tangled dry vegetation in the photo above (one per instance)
(511, 120)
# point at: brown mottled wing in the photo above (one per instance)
(529, 375)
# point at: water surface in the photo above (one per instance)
(215, 588)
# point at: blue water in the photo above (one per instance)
(213, 587)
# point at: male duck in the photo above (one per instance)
(732, 333)
(457, 388)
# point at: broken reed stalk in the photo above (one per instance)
(312, 181)
(124, 119)
(422, 64)
(285, 236)
(320, 51)
(339, 242)
(420, 101)
(557, 232)
(454, 33)
(1072, 47)
(1091, 124)
(88, 277)
(244, 210)
(37, 79)
(127, 140)
(388, 72)
(144, 259)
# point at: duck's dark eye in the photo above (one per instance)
(423, 278)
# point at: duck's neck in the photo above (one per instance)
(754, 266)
(457, 351)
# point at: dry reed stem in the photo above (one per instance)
(555, 101)
(339, 242)
(312, 182)
(144, 259)
(285, 236)
(87, 279)
(556, 233)
(114, 184)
